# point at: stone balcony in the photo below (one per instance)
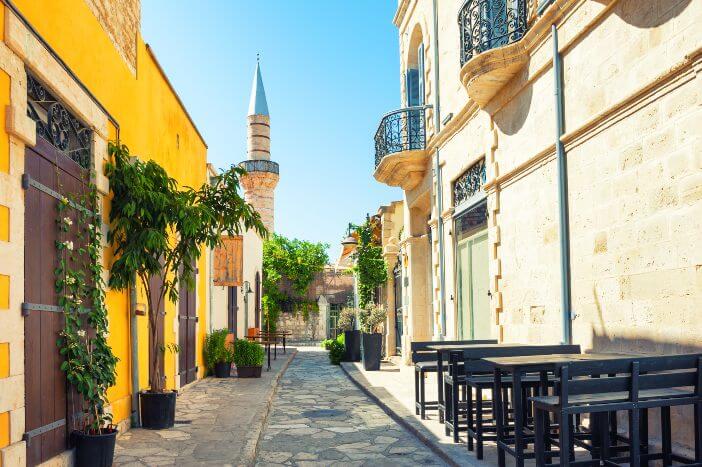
(491, 52)
(400, 148)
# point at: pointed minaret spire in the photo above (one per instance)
(258, 104)
(262, 177)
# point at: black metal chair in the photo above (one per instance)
(425, 362)
(479, 378)
(638, 384)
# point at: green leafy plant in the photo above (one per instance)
(158, 228)
(373, 318)
(371, 270)
(247, 353)
(347, 319)
(89, 362)
(336, 352)
(216, 349)
(293, 260)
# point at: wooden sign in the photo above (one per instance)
(229, 262)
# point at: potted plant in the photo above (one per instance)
(219, 354)
(372, 320)
(248, 358)
(352, 337)
(158, 230)
(88, 360)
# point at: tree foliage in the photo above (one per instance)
(158, 228)
(296, 261)
(371, 271)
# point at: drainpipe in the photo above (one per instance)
(210, 286)
(136, 419)
(437, 169)
(562, 191)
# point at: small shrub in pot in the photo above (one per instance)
(352, 337)
(372, 320)
(248, 358)
(219, 354)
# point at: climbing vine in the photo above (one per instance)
(370, 268)
(89, 362)
(295, 262)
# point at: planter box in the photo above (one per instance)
(372, 351)
(352, 346)
(94, 450)
(249, 371)
(157, 409)
(222, 369)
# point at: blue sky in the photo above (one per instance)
(330, 69)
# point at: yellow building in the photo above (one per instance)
(76, 74)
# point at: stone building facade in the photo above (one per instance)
(482, 223)
(476, 151)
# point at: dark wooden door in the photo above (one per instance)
(397, 275)
(187, 319)
(232, 308)
(257, 302)
(49, 175)
(156, 282)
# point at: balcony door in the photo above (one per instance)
(415, 97)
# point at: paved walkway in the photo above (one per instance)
(320, 417)
(218, 422)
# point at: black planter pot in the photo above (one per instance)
(157, 409)
(249, 371)
(222, 369)
(352, 346)
(372, 347)
(94, 450)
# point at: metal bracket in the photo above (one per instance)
(28, 181)
(27, 436)
(27, 307)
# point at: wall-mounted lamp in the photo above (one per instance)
(140, 309)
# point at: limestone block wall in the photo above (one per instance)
(121, 21)
(258, 137)
(259, 192)
(312, 329)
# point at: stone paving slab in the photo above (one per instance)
(218, 422)
(320, 418)
(393, 389)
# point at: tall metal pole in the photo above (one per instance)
(134, 332)
(562, 192)
(437, 170)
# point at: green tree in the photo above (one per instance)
(158, 229)
(371, 271)
(296, 261)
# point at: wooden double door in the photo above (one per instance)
(51, 407)
(187, 329)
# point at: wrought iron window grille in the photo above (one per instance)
(489, 24)
(469, 185)
(260, 165)
(57, 125)
(401, 130)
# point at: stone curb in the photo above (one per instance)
(250, 449)
(407, 420)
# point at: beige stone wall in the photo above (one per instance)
(633, 117)
(314, 328)
(121, 21)
(259, 192)
(392, 221)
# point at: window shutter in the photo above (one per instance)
(420, 77)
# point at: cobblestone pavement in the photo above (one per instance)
(319, 417)
(218, 422)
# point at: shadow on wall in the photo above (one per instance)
(649, 13)
(682, 420)
(511, 118)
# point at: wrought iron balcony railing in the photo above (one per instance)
(401, 130)
(489, 24)
(260, 165)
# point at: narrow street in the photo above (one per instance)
(320, 418)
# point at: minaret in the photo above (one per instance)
(259, 184)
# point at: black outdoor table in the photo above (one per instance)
(446, 348)
(518, 367)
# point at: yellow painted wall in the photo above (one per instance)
(153, 124)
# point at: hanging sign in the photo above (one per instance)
(228, 262)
